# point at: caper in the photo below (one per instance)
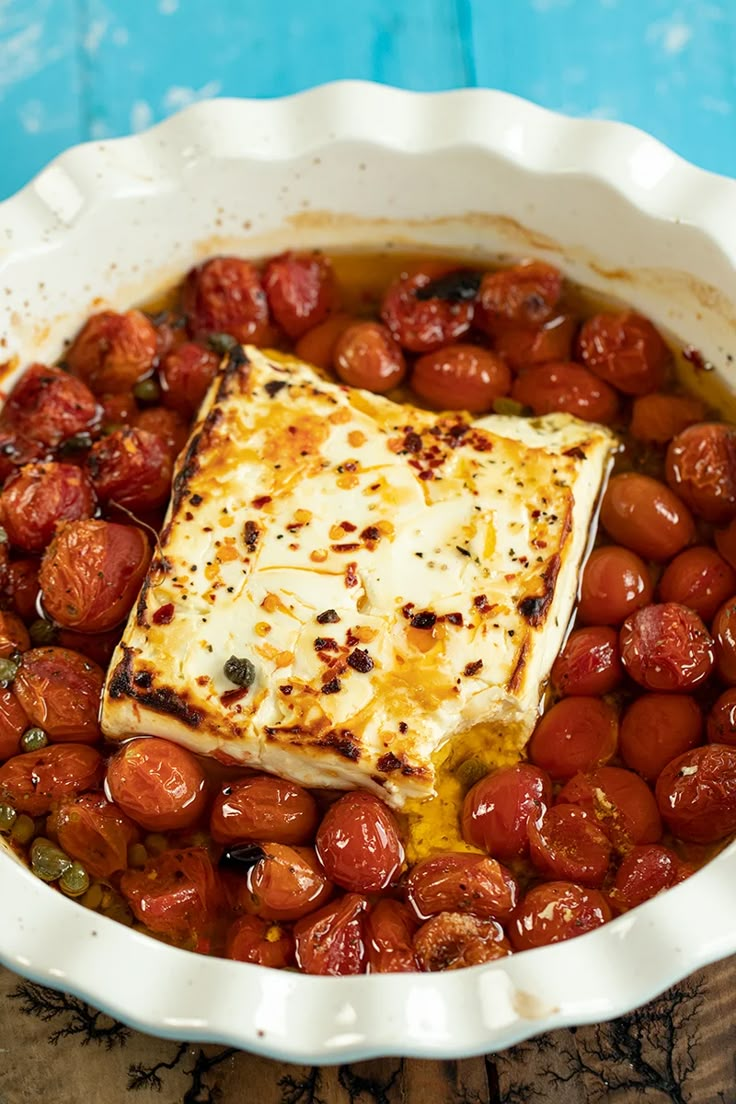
(147, 391)
(470, 771)
(116, 907)
(3, 535)
(92, 899)
(137, 855)
(8, 817)
(505, 405)
(155, 843)
(240, 671)
(78, 442)
(221, 342)
(42, 631)
(33, 739)
(23, 830)
(8, 670)
(74, 881)
(48, 862)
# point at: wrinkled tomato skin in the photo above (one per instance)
(421, 326)
(620, 801)
(98, 647)
(666, 648)
(521, 295)
(13, 723)
(117, 410)
(13, 634)
(625, 350)
(60, 692)
(225, 295)
(358, 843)
(701, 468)
(91, 574)
(34, 781)
(38, 498)
(568, 845)
(186, 374)
(576, 734)
(497, 810)
(301, 291)
(317, 346)
(94, 831)
(566, 387)
(21, 587)
(726, 543)
(646, 871)
(16, 451)
(646, 516)
(286, 884)
(388, 937)
(655, 729)
(721, 724)
(169, 427)
(48, 406)
(453, 940)
(265, 810)
(131, 468)
(696, 794)
(724, 636)
(556, 911)
(525, 346)
(460, 882)
(160, 785)
(366, 356)
(589, 664)
(332, 941)
(615, 583)
(657, 418)
(461, 377)
(700, 579)
(175, 893)
(112, 352)
(251, 939)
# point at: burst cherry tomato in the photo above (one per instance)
(625, 350)
(34, 781)
(700, 579)
(175, 893)
(287, 883)
(721, 725)
(461, 377)
(657, 418)
(131, 468)
(521, 295)
(332, 941)
(251, 939)
(48, 405)
(264, 809)
(13, 723)
(90, 828)
(422, 325)
(566, 387)
(615, 583)
(300, 288)
(60, 691)
(13, 634)
(565, 843)
(389, 928)
(459, 882)
(91, 574)
(657, 728)
(574, 735)
(620, 801)
(696, 794)
(186, 374)
(112, 352)
(22, 587)
(646, 516)
(645, 872)
(555, 911)
(317, 346)
(169, 426)
(666, 647)
(523, 346)
(701, 468)
(498, 808)
(34, 501)
(453, 940)
(225, 295)
(160, 785)
(367, 356)
(358, 843)
(589, 664)
(724, 634)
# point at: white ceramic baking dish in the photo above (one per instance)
(362, 165)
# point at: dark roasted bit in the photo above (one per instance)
(241, 858)
(328, 617)
(425, 619)
(360, 661)
(454, 287)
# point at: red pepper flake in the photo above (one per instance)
(332, 687)
(403, 727)
(425, 619)
(454, 618)
(351, 575)
(164, 615)
(286, 689)
(329, 617)
(251, 533)
(360, 661)
(232, 696)
(325, 644)
(473, 668)
(350, 638)
(370, 533)
(481, 603)
(261, 501)
(348, 526)
(344, 547)
(413, 442)
(426, 475)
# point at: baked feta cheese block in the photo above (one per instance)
(344, 583)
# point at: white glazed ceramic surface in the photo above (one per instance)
(351, 165)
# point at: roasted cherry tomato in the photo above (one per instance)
(388, 937)
(567, 387)
(131, 468)
(521, 295)
(461, 377)
(524, 346)
(60, 691)
(589, 664)
(186, 374)
(701, 468)
(625, 350)
(34, 781)
(13, 634)
(453, 940)
(112, 352)
(422, 325)
(696, 794)
(646, 516)
(498, 808)
(358, 843)
(332, 941)
(98, 647)
(555, 911)
(264, 809)
(724, 635)
(225, 295)
(34, 501)
(91, 574)
(657, 728)
(317, 346)
(15, 451)
(700, 579)
(49, 406)
(367, 356)
(726, 543)
(21, 587)
(620, 801)
(566, 843)
(666, 648)
(459, 882)
(118, 410)
(175, 893)
(285, 884)
(656, 418)
(13, 723)
(576, 734)
(301, 291)
(722, 719)
(94, 831)
(251, 939)
(615, 583)
(646, 871)
(168, 425)
(160, 785)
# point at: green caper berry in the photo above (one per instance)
(8, 671)
(3, 535)
(504, 405)
(74, 881)
(240, 671)
(8, 817)
(221, 343)
(23, 830)
(33, 739)
(42, 631)
(48, 862)
(470, 771)
(147, 391)
(78, 442)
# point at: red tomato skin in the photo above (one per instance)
(225, 295)
(21, 586)
(332, 941)
(16, 451)
(34, 781)
(666, 648)
(589, 663)
(696, 794)
(620, 801)
(38, 498)
(556, 911)
(700, 579)
(658, 418)
(625, 350)
(646, 871)
(459, 882)
(389, 929)
(98, 647)
(175, 893)
(287, 884)
(525, 294)
(317, 346)
(498, 808)
(525, 346)
(170, 427)
(301, 291)
(615, 583)
(264, 809)
(48, 406)
(567, 845)
(421, 326)
(453, 940)
(724, 635)
(567, 387)
(701, 468)
(13, 723)
(131, 468)
(657, 728)
(91, 574)
(576, 734)
(186, 375)
(726, 543)
(461, 377)
(60, 692)
(646, 516)
(366, 355)
(94, 831)
(263, 942)
(13, 634)
(358, 843)
(112, 351)
(160, 785)
(721, 726)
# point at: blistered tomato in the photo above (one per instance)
(576, 734)
(646, 871)
(646, 516)
(721, 725)
(225, 295)
(458, 882)
(300, 288)
(556, 911)
(657, 728)
(265, 809)
(94, 831)
(521, 295)
(358, 843)
(422, 324)
(620, 801)
(332, 941)
(625, 350)
(658, 418)
(566, 387)
(160, 785)
(453, 940)
(186, 373)
(389, 929)
(112, 352)
(589, 664)
(131, 468)
(666, 648)
(39, 497)
(498, 808)
(366, 355)
(566, 843)
(286, 883)
(60, 692)
(48, 405)
(700, 579)
(615, 583)
(701, 468)
(34, 781)
(251, 939)
(461, 377)
(175, 893)
(696, 794)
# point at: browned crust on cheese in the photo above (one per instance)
(161, 699)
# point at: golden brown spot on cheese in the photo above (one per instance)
(319, 555)
(262, 628)
(356, 438)
(283, 659)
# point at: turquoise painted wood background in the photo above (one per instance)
(77, 69)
